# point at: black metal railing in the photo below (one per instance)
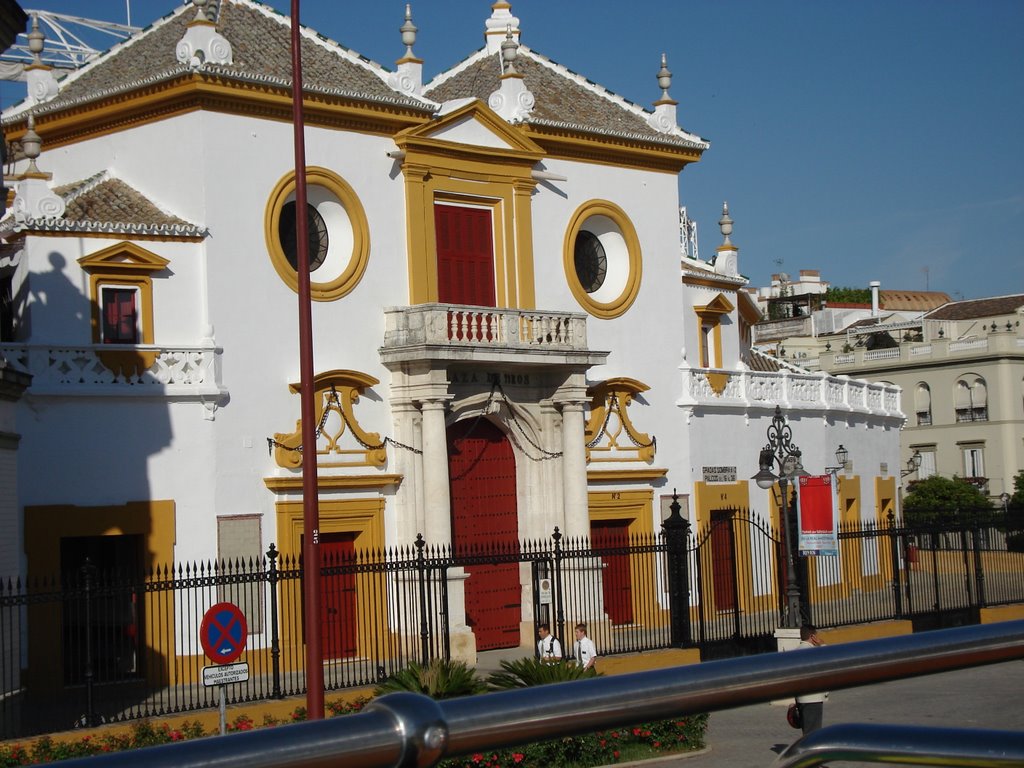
(99, 645)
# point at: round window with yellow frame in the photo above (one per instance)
(339, 236)
(601, 258)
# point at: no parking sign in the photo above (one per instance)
(223, 633)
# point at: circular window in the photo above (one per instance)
(590, 260)
(601, 257)
(316, 231)
(339, 238)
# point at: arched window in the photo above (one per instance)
(971, 399)
(923, 404)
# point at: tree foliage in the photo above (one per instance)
(844, 295)
(939, 499)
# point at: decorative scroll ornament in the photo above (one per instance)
(610, 433)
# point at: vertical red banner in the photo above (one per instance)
(816, 515)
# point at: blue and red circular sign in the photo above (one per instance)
(223, 633)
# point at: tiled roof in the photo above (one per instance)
(101, 204)
(563, 98)
(912, 301)
(974, 308)
(761, 362)
(260, 41)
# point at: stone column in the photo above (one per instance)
(574, 471)
(436, 495)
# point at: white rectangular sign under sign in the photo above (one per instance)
(719, 474)
(222, 674)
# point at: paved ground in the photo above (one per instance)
(983, 697)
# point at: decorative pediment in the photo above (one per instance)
(717, 307)
(610, 433)
(340, 440)
(473, 127)
(123, 258)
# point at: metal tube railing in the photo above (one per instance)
(407, 729)
(906, 745)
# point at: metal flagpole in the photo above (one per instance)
(310, 505)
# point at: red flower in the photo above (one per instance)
(615, 754)
(518, 757)
(477, 757)
(636, 731)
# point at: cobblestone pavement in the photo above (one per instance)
(982, 697)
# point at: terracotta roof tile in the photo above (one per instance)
(973, 308)
(912, 301)
(562, 97)
(260, 41)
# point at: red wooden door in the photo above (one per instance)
(465, 255)
(723, 561)
(616, 578)
(338, 595)
(482, 472)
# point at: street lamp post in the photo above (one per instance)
(782, 452)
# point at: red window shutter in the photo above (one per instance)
(119, 316)
(465, 255)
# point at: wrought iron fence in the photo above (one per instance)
(98, 645)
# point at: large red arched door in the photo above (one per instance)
(616, 579)
(482, 473)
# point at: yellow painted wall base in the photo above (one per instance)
(866, 632)
(1002, 613)
(623, 665)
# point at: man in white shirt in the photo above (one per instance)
(584, 649)
(548, 647)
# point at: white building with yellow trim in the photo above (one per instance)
(497, 273)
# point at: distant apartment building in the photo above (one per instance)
(961, 368)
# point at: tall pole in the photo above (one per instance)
(792, 619)
(782, 452)
(310, 506)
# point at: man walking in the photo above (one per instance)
(584, 649)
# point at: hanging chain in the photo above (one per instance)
(333, 399)
(613, 407)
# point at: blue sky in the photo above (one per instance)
(873, 140)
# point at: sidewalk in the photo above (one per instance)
(983, 697)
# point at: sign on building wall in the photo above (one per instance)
(719, 474)
(817, 515)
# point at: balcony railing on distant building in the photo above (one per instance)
(792, 390)
(1000, 341)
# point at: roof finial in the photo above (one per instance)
(513, 100)
(664, 118)
(509, 50)
(408, 33)
(408, 78)
(34, 199)
(36, 40)
(202, 43)
(31, 144)
(664, 79)
(725, 224)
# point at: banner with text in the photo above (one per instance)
(817, 515)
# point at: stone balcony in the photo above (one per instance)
(90, 370)
(792, 391)
(458, 333)
(999, 343)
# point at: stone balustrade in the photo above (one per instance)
(813, 391)
(457, 331)
(114, 369)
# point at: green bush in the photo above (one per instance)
(529, 671)
(439, 680)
